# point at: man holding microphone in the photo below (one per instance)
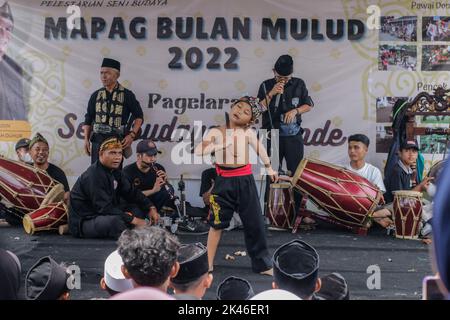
(286, 98)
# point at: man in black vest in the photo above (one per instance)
(287, 99)
(12, 105)
(111, 111)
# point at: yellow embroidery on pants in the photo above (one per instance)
(215, 208)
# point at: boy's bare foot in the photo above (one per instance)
(267, 272)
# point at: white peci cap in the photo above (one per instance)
(114, 278)
(275, 294)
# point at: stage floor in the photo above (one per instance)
(403, 263)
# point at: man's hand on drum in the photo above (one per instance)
(273, 175)
(422, 186)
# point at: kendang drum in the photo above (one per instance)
(407, 214)
(47, 218)
(25, 187)
(280, 207)
(349, 198)
(436, 169)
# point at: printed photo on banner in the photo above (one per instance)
(436, 28)
(435, 58)
(384, 107)
(434, 144)
(12, 97)
(398, 28)
(397, 57)
(384, 138)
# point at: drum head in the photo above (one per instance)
(407, 193)
(28, 224)
(436, 170)
(281, 185)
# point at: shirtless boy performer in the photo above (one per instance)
(235, 187)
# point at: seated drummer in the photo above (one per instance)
(39, 152)
(148, 176)
(402, 174)
(94, 210)
(358, 146)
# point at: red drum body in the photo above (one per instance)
(49, 217)
(280, 207)
(407, 214)
(349, 198)
(26, 187)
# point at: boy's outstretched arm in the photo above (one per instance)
(208, 145)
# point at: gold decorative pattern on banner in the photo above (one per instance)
(219, 119)
(316, 87)
(240, 85)
(335, 53)
(203, 85)
(259, 52)
(105, 51)
(184, 119)
(47, 113)
(87, 83)
(141, 51)
(337, 121)
(126, 84)
(293, 52)
(67, 51)
(315, 154)
(163, 84)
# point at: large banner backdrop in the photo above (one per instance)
(185, 61)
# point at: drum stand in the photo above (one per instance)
(304, 212)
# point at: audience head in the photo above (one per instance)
(113, 280)
(234, 288)
(296, 268)
(149, 256)
(47, 280)
(193, 277)
(10, 270)
(142, 294)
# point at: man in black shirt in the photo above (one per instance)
(287, 99)
(39, 152)
(402, 174)
(111, 112)
(148, 176)
(95, 210)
